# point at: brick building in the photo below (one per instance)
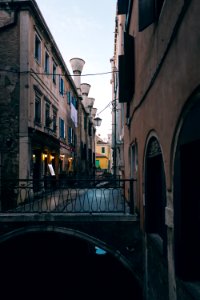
(103, 156)
(40, 104)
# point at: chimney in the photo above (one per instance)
(85, 88)
(94, 111)
(89, 104)
(77, 67)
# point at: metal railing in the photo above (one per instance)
(68, 196)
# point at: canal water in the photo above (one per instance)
(55, 266)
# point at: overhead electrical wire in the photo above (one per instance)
(56, 74)
(105, 108)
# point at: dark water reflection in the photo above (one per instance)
(53, 266)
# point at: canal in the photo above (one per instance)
(56, 266)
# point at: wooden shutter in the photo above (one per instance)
(122, 7)
(146, 13)
(129, 52)
(127, 70)
(122, 89)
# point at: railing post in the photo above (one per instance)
(131, 196)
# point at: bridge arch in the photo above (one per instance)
(19, 232)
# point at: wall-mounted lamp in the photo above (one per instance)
(97, 121)
(34, 158)
(44, 155)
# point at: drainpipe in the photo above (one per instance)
(114, 109)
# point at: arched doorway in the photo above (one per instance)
(156, 275)
(155, 191)
(187, 195)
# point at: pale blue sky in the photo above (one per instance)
(85, 29)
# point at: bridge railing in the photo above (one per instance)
(106, 195)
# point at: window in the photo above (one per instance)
(102, 149)
(61, 86)
(54, 73)
(149, 12)
(122, 7)
(62, 128)
(74, 102)
(134, 161)
(85, 122)
(70, 135)
(97, 163)
(83, 151)
(37, 109)
(126, 70)
(69, 97)
(37, 49)
(54, 120)
(47, 115)
(158, 6)
(46, 63)
(89, 128)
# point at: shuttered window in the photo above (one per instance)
(37, 109)
(146, 13)
(127, 70)
(69, 97)
(37, 49)
(61, 86)
(69, 135)
(62, 128)
(122, 7)
(54, 73)
(149, 12)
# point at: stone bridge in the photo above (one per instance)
(96, 212)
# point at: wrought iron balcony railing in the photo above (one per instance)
(67, 195)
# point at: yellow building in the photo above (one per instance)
(103, 153)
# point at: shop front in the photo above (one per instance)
(45, 151)
(67, 161)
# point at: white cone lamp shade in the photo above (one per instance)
(90, 102)
(93, 112)
(77, 67)
(77, 64)
(85, 88)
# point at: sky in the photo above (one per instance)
(85, 29)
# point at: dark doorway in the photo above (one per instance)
(188, 258)
(155, 191)
(187, 196)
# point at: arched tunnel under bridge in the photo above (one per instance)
(51, 264)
